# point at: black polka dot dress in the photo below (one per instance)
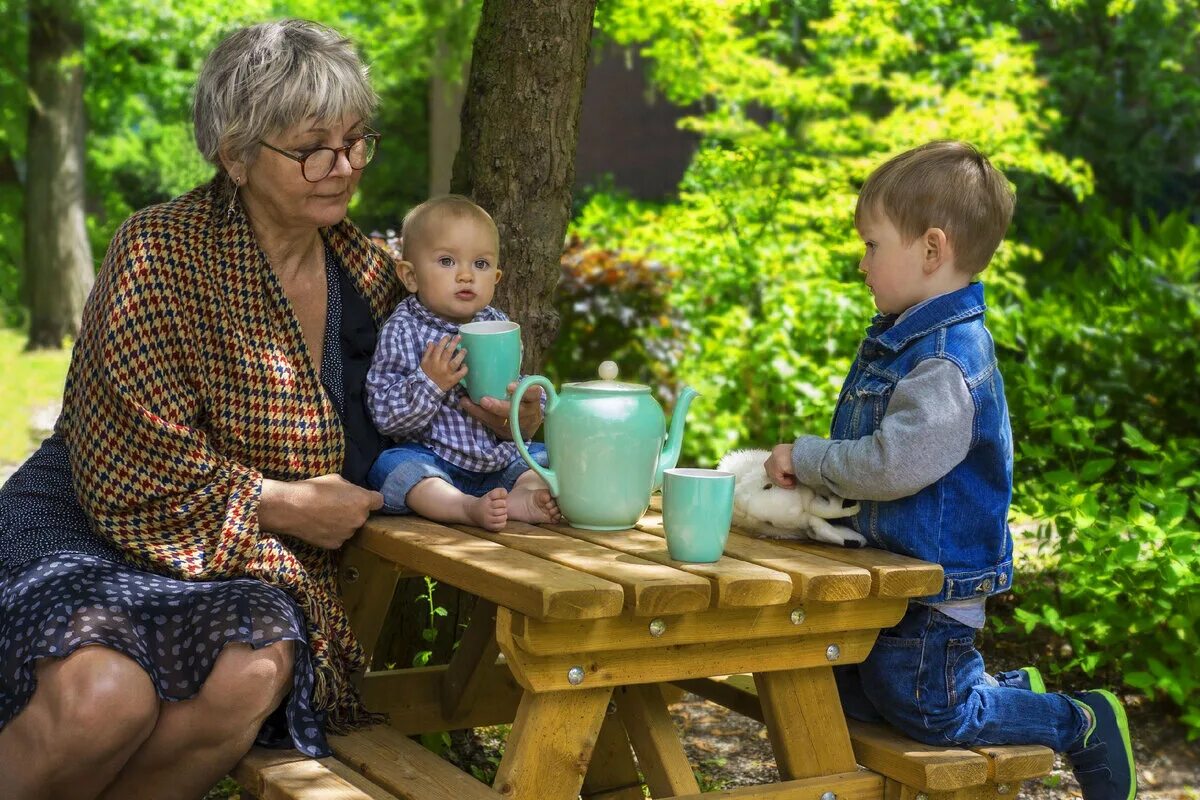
(62, 587)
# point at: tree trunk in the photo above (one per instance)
(58, 257)
(445, 110)
(520, 125)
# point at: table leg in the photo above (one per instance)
(475, 656)
(659, 751)
(612, 775)
(367, 585)
(805, 722)
(550, 746)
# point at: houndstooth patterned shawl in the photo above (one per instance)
(190, 383)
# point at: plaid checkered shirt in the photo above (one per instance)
(407, 405)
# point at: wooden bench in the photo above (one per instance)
(911, 770)
(375, 764)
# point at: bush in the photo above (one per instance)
(1105, 418)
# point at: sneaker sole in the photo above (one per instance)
(1036, 684)
(1123, 725)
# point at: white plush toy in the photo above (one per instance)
(764, 509)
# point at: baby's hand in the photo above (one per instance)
(779, 466)
(443, 363)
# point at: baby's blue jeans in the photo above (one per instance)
(925, 678)
(398, 469)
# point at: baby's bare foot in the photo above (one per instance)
(489, 512)
(531, 504)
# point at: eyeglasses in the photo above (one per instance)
(316, 164)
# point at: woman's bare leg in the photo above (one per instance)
(90, 712)
(435, 499)
(197, 741)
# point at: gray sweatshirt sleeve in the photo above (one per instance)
(926, 431)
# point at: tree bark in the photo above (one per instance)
(58, 258)
(520, 125)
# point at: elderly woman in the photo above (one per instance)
(167, 577)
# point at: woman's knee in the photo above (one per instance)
(246, 685)
(98, 696)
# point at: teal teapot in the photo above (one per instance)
(607, 445)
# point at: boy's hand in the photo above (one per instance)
(443, 362)
(779, 466)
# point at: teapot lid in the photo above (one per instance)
(608, 382)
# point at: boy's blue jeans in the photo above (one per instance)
(398, 469)
(925, 678)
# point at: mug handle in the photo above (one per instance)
(514, 425)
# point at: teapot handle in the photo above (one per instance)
(514, 425)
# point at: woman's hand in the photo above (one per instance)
(779, 466)
(324, 511)
(494, 413)
(443, 362)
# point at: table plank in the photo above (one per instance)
(735, 584)
(288, 775)
(547, 637)
(1015, 763)
(892, 574)
(650, 588)
(620, 667)
(396, 763)
(924, 767)
(813, 577)
(505, 576)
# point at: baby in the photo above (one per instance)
(449, 466)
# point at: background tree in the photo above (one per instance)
(58, 257)
(520, 126)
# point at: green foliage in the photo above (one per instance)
(1090, 107)
(1106, 455)
(1123, 76)
(601, 295)
(761, 235)
(429, 633)
(141, 61)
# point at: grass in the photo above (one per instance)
(30, 381)
(227, 789)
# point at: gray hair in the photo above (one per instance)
(264, 79)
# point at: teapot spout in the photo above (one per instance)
(670, 453)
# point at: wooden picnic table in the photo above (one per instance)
(590, 624)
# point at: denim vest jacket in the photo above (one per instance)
(961, 520)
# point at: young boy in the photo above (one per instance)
(451, 468)
(921, 439)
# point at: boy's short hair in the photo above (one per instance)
(454, 205)
(943, 184)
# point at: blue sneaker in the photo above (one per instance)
(1103, 759)
(1027, 678)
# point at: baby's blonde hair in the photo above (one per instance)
(943, 184)
(455, 206)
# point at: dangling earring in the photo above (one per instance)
(237, 184)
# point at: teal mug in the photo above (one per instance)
(697, 509)
(493, 357)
